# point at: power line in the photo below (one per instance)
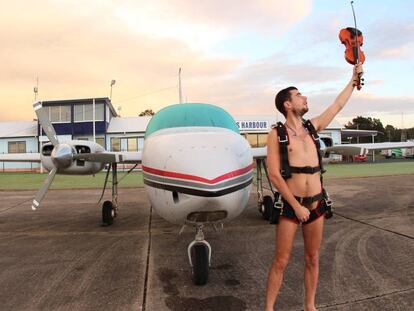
(146, 94)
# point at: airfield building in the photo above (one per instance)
(96, 119)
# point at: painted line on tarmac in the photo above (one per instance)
(17, 205)
(365, 299)
(374, 226)
(144, 295)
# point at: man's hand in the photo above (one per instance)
(358, 72)
(302, 213)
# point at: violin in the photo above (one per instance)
(352, 38)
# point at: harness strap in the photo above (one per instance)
(304, 169)
(283, 145)
(309, 200)
(309, 126)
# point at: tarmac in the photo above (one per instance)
(61, 258)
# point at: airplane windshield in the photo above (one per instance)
(185, 115)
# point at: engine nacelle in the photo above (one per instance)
(77, 167)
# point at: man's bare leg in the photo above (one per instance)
(312, 236)
(285, 234)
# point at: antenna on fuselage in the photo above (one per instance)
(180, 93)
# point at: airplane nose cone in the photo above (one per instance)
(62, 156)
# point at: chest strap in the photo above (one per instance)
(305, 169)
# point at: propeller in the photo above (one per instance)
(45, 123)
(43, 189)
(60, 154)
(63, 154)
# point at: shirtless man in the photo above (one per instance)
(301, 152)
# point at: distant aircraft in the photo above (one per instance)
(197, 170)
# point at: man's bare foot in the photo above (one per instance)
(310, 309)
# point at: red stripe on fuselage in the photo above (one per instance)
(228, 175)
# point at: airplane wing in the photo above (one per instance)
(106, 157)
(130, 156)
(352, 149)
(19, 157)
(110, 157)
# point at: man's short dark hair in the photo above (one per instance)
(281, 97)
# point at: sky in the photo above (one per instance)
(234, 54)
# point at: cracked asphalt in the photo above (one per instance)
(61, 258)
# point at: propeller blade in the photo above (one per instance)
(98, 157)
(45, 123)
(43, 189)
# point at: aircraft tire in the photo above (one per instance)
(108, 213)
(200, 264)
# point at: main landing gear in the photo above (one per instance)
(110, 208)
(199, 254)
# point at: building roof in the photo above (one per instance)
(18, 129)
(80, 101)
(128, 124)
(359, 133)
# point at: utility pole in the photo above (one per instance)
(36, 89)
(357, 134)
(112, 84)
(179, 87)
(93, 113)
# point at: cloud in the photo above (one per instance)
(390, 39)
(77, 48)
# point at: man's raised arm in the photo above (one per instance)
(322, 121)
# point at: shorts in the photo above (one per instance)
(289, 213)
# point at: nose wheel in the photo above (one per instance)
(199, 255)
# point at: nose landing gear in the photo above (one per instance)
(199, 255)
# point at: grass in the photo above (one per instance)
(22, 181)
(368, 169)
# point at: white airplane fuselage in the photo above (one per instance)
(197, 174)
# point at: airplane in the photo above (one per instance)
(197, 169)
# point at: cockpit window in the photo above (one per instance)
(82, 149)
(47, 150)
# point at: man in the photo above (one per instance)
(303, 186)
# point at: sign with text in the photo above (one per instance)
(252, 125)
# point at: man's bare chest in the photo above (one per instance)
(302, 146)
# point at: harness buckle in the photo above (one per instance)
(328, 202)
(283, 140)
(315, 138)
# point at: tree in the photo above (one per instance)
(390, 133)
(372, 124)
(147, 112)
